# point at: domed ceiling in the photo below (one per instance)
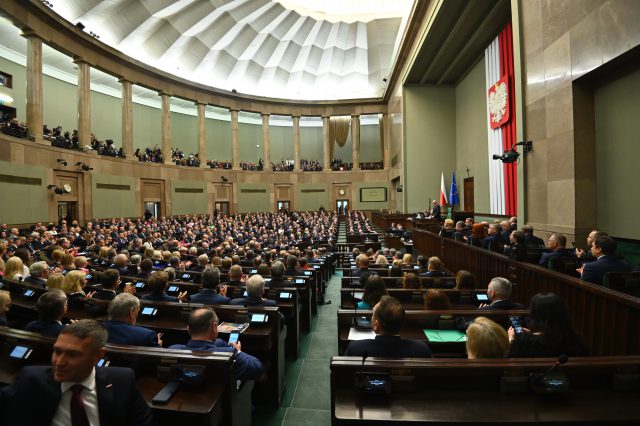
(291, 49)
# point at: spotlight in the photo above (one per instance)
(66, 188)
(511, 155)
(62, 161)
(224, 179)
(80, 25)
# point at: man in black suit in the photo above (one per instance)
(73, 390)
(123, 314)
(362, 262)
(255, 290)
(110, 280)
(435, 211)
(235, 276)
(493, 238)
(208, 295)
(531, 240)
(52, 307)
(499, 292)
(557, 244)
(603, 249)
(38, 274)
(387, 319)
(585, 256)
(277, 275)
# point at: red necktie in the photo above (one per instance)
(78, 412)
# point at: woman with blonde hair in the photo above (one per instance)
(104, 253)
(3, 249)
(14, 269)
(55, 281)
(5, 304)
(67, 262)
(407, 260)
(73, 284)
(381, 260)
(486, 339)
(81, 263)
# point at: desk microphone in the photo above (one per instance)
(365, 355)
(561, 360)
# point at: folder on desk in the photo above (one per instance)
(445, 336)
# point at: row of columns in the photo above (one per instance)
(35, 117)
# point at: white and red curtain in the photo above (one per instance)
(503, 179)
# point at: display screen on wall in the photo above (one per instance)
(373, 195)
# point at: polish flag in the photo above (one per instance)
(443, 191)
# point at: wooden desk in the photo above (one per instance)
(451, 391)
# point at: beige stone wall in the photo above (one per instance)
(564, 40)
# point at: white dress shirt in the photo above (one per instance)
(89, 396)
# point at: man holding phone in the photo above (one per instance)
(203, 329)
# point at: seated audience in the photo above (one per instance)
(255, 290)
(52, 307)
(38, 274)
(208, 294)
(374, 289)
(407, 260)
(494, 238)
(362, 262)
(448, 229)
(55, 281)
(499, 292)
(73, 284)
(121, 325)
(235, 275)
(277, 275)
(557, 244)
(531, 240)
(411, 280)
(517, 248)
(387, 319)
(14, 269)
(203, 329)
(550, 333)
(585, 256)
(42, 395)
(477, 235)
(5, 305)
(158, 284)
(486, 339)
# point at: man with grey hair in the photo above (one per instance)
(255, 290)
(209, 295)
(52, 306)
(73, 391)
(558, 245)
(38, 274)
(120, 263)
(123, 314)
(203, 261)
(203, 329)
(277, 275)
(499, 292)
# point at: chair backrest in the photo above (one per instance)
(625, 282)
(565, 264)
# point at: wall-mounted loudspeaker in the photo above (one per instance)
(399, 188)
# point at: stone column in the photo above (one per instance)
(166, 128)
(296, 143)
(34, 86)
(127, 118)
(326, 166)
(384, 123)
(266, 143)
(202, 141)
(84, 102)
(355, 141)
(235, 147)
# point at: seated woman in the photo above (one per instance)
(55, 281)
(5, 304)
(374, 289)
(397, 273)
(73, 284)
(448, 229)
(550, 334)
(486, 339)
(81, 263)
(67, 263)
(407, 260)
(436, 300)
(14, 269)
(465, 280)
(381, 260)
(411, 280)
(478, 232)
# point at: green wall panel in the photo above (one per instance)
(108, 203)
(218, 136)
(308, 199)
(254, 197)
(186, 200)
(23, 202)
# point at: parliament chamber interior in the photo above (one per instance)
(303, 212)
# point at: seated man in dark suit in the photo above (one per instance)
(585, 256)
(434, 268)
(121, 264)
(73, 390)
(255, 290)
(387, 319)
(277, 275)
(158, 284)
(604, 250)
(208, 295)
(203, 329)
(203, 261)
(38, 274)
(146, 267)
(235, 276)
(110, 280)
(531, 240)
(123, 314)
(494, 237)
(557, 244)
(52, 306)
(499, 292)
(292, 267)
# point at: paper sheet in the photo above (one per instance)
(356, 334)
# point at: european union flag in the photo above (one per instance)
(453, 192)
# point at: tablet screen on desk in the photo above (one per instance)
(259, 318)
(307, 273)
(29, 293)
(139, 284)
(173, 288)
(481, 297)
(20, 352)
(148, 310)
(285, 295)
(186, 276)
(299, 280)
